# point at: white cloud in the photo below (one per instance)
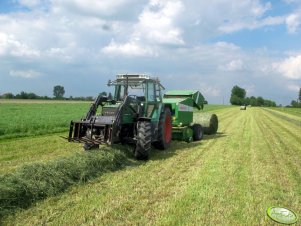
(25, 74)
(128, 49)
(290, 67)
(157, 23)
(209, 90)
(89, 38)
(234, 65)
(156, 26)
(9, 45)
(124, 9)
(294, 87)
(293, 22)
(251, 24)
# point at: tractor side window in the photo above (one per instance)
(120, 92)
(150, 92)
(158, 93)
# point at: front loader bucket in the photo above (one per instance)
(90, 133)
(76, 131)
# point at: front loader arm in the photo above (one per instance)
(93, 109)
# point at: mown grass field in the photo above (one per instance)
(230, 178)
(36, 118)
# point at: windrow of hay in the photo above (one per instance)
(38, 181)
(209, 122)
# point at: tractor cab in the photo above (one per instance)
(143, 92)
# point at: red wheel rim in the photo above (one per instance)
(167, 128)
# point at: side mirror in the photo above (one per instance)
(109, 83)
(205, 102)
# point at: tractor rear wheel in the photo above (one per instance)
(164, 130)
(198, 132)
(144, 140)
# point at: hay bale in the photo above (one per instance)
(209, 123)
(243, 107)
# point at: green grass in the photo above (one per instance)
(14, 153)
(28, 119)
(292, 111)
(37, 181)
(214, 107)
(230, 178)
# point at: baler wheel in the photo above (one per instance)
(144, 140)
(164, 130)
(198, 132)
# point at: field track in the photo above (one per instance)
(231, 178)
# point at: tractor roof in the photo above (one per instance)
(134, 80)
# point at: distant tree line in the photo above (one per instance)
(297, 103)
(238, 97)
(58, 94)
(24, 95)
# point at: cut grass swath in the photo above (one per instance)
(37, 181)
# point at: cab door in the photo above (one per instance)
(151, 101)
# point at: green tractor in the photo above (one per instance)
(137, 114)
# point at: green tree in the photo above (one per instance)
(247, 101)
(260, 101)
(32, 96)
(235, 100)
(238, 95)
(58, 91)
(299, 95)
(104, 94)
(22, 95)
(253, 101)
(294, 104)
(8, 96)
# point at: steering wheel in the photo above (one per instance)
(133, 96)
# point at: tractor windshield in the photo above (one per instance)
(140, 87)
(131, 90)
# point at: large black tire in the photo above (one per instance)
(198, 132)
(144, 140)
(164, 130)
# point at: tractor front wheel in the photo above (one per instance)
(164, 130)
(198, 132)
(144, 140)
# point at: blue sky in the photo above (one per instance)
(204, 45)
